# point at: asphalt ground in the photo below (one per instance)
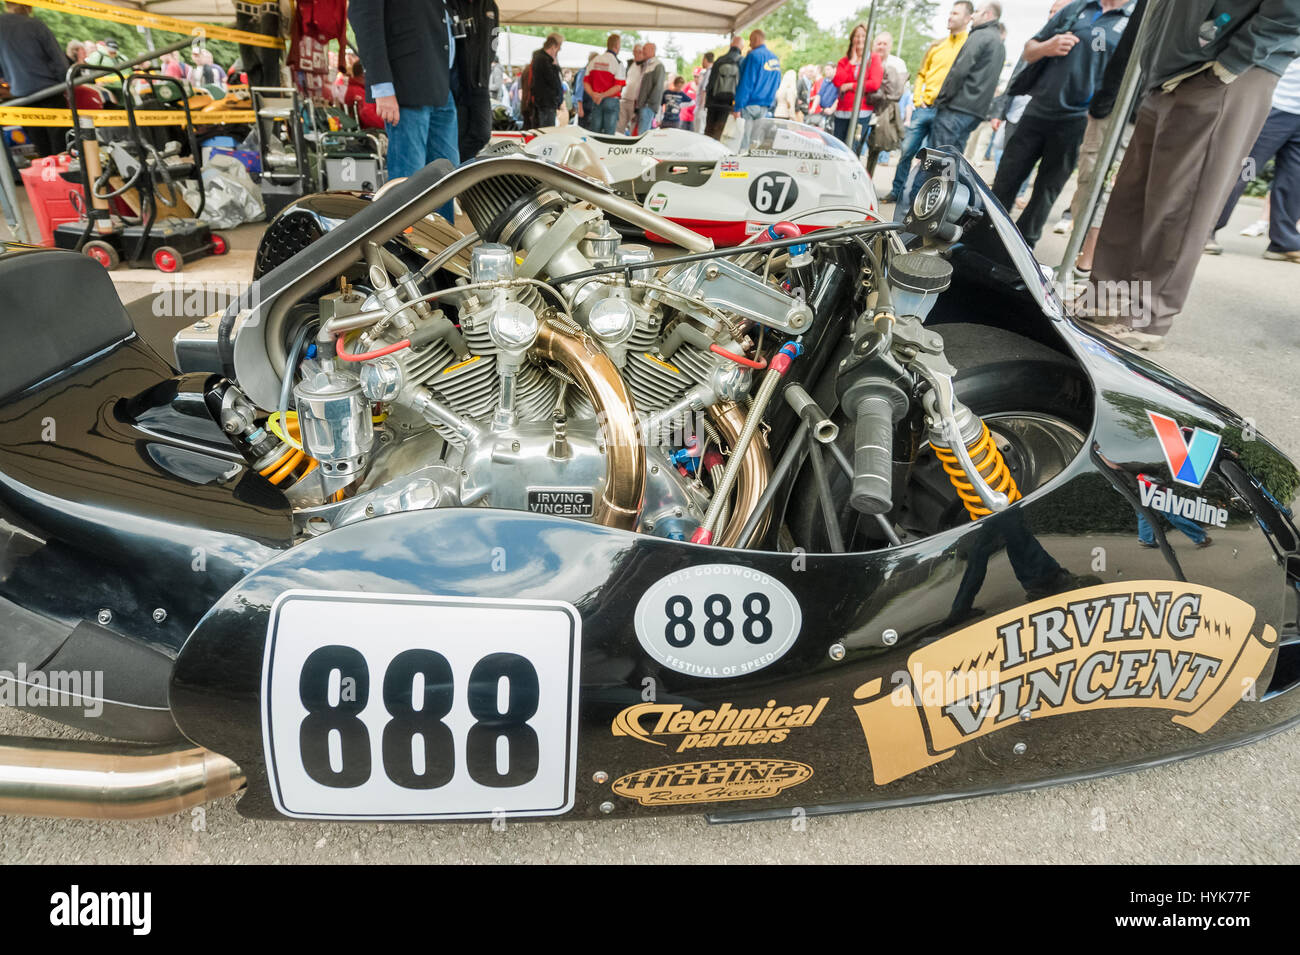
(1237, 340)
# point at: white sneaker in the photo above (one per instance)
(1063, 225)
(1139, 341)
(1256, 228)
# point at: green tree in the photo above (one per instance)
(798, 39)
(67, 27)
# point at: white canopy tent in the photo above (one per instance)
(686, 16)
(516, 49)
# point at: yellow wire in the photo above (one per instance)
(273, 422)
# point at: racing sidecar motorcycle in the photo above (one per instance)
(791, 172)
(531, 523)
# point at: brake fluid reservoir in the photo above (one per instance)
(334, 418)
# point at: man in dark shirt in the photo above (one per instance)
(476, 25)
(724, 78)
(546, 91)
(1077, 43)
(31, 60)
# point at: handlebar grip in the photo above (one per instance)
(873, 456)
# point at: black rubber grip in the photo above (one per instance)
(873, 455)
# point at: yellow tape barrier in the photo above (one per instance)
(37, 116)
(156, 21)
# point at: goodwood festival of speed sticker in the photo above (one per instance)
(717, 620)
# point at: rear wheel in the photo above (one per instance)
(101, 252)
(219, 244)
(167, 259)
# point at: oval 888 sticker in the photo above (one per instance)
(717, 620)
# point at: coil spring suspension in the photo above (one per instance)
(988, 461)
(293, 465)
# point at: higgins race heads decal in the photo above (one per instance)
(1189, 460)
(662, 724)
(1188, 649)
(715, 780)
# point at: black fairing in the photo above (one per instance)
(126, 514)
(113, 509)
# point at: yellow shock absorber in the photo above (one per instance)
(291, 466)
(988, 461)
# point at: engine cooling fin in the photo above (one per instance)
(499, 207)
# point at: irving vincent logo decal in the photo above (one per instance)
(1191, 650)
(1189, 460)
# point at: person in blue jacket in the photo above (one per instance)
(760, 76)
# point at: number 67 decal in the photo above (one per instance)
(773, 192)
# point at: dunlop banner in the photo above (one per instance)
(37, 116)
(156, 21)
(1188, 649)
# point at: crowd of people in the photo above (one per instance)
(1219, 98)
(32, 60)
(1220, 93)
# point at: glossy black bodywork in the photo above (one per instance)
(849, 599)
(109, 516)
(118, 502)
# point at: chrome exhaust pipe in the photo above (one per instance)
(71, 779)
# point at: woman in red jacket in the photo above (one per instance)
(846, 79)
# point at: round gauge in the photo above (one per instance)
(931, 197)
(513, 325)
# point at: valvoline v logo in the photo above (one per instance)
(1189, 459)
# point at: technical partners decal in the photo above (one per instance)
(1192, 650)
(662, 723)
(715, 780)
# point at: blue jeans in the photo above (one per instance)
(644, 118)
(421, 135)
(751, 115)
(860, 134)
(604, 118)
(952, 128)
(917, 134)
(1147, 534)
(1279, 138)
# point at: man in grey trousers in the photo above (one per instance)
(1210, 67)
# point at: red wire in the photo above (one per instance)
(738, 359)
(377, 353)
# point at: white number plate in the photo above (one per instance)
(388, 706)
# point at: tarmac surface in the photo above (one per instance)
(1238, 340)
